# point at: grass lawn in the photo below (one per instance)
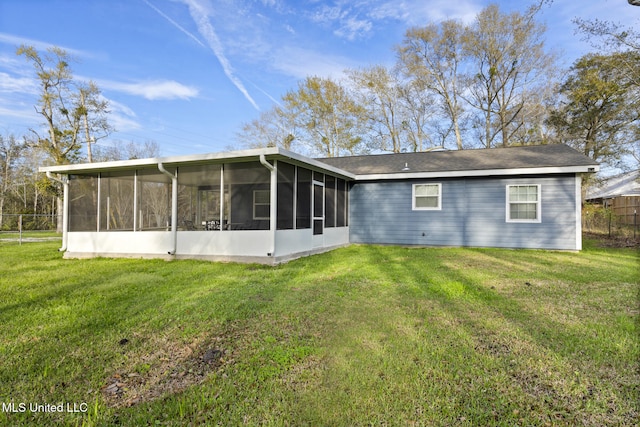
(364, 335)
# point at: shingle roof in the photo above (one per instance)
(533, 156)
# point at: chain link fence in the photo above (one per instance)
(604, 220)
(28, 228)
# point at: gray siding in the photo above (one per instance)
(472, 214)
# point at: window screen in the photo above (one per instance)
(330, 201)
(303, 199)
(116, 201)
(286, 180)
(83, 203)
(154, 200)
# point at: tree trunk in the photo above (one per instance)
(86, 127)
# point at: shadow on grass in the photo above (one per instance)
(504, 326)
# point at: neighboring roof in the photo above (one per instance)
(554, 157)
(626, 184)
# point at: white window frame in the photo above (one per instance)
(413, 197)
(538, 203)
(260, 204)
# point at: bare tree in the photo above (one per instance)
(508, 60)
(273, 128)
(431, 56)
(326, 115)
(93, 109)
(65, 107)
(10, 153)
(380, 92)
(127, 151)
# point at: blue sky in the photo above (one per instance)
(188, 73)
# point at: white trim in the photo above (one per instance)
(578, 189)
(538, 204)
(413, 197)
(480, 172)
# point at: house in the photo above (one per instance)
(620, 193)
(271, 205)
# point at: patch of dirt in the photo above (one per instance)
(169, 369)
(606, 241)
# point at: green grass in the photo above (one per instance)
(364, 335)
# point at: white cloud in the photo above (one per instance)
(353, 28)
(347, 21)
(17, 84)
(41, 45)
(120, 108)
(22, 113)
(301, 63)
(122, 123)
(420, 12)
(152, 90)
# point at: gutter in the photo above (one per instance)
(273, 204)
(174, 206)
(65, 207)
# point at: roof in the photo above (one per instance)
(252, 155)
(554, 157)
(626, 184)
(538, 159)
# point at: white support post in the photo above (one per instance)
(64, 180)
(222, 224)
(174, 206)
(273, 199)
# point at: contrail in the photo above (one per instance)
(175, 24)
(275, 101)
(199, 15)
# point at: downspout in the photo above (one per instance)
(273, 207)
(174, 206)
(65, 207)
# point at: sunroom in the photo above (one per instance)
(265, 205)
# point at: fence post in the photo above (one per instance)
(635, 222)
(20, 228)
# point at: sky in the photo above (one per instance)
(188, 73)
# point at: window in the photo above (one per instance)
(261, 204)
(427, 197)
(523, 203)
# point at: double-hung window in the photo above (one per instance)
(523, 203)
(261, 204)
(427, 197)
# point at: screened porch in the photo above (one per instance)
(222, 209)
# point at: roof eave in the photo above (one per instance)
(272, 153)
(480, 173)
